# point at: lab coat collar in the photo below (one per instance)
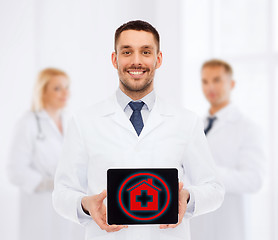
(157, 116)
(160, 112)
(43, 115)
(228, 114)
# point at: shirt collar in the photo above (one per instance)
(123, 99)
(226, 113)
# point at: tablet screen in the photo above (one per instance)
(142, 196)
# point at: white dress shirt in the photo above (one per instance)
(149, 101)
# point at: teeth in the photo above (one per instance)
(136, 73)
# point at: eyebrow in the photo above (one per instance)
(128, 46)
(147, 46)
(125, 46)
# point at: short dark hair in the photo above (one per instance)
(137, 25)
(219, 63)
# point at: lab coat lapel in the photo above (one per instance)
(218, 125)
(153, 122)
(228, 115)
(156, 118)
(120, 118)
(44, 116)
(113, 110)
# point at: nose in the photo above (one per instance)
(65, 92)
(210, 86)
(137, 60)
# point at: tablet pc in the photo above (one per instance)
(142, 196)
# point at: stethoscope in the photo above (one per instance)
(40, 134)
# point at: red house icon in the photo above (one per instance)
(144, 196)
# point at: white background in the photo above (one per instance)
(77, 36)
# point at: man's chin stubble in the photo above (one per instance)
(130, 89)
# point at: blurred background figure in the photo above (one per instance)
(34, 153)
(237, 148)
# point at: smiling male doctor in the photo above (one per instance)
(134, 129)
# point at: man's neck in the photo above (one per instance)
(215, 108)
(134, 95)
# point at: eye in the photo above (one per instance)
(126, 53)
(146, 52)
(57, 89)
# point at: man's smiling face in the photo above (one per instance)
(136, 60)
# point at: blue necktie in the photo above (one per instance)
(210, 124)
(136, 117)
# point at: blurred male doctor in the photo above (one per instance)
(236, 146)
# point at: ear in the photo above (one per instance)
(159, 60)
(114, 60)
(233, 83)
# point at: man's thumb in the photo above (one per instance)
(102, 195)
(180, 186)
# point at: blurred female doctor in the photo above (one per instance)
(34, 154)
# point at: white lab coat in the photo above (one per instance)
(33, 162)
(236, 145)
(103, 137)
